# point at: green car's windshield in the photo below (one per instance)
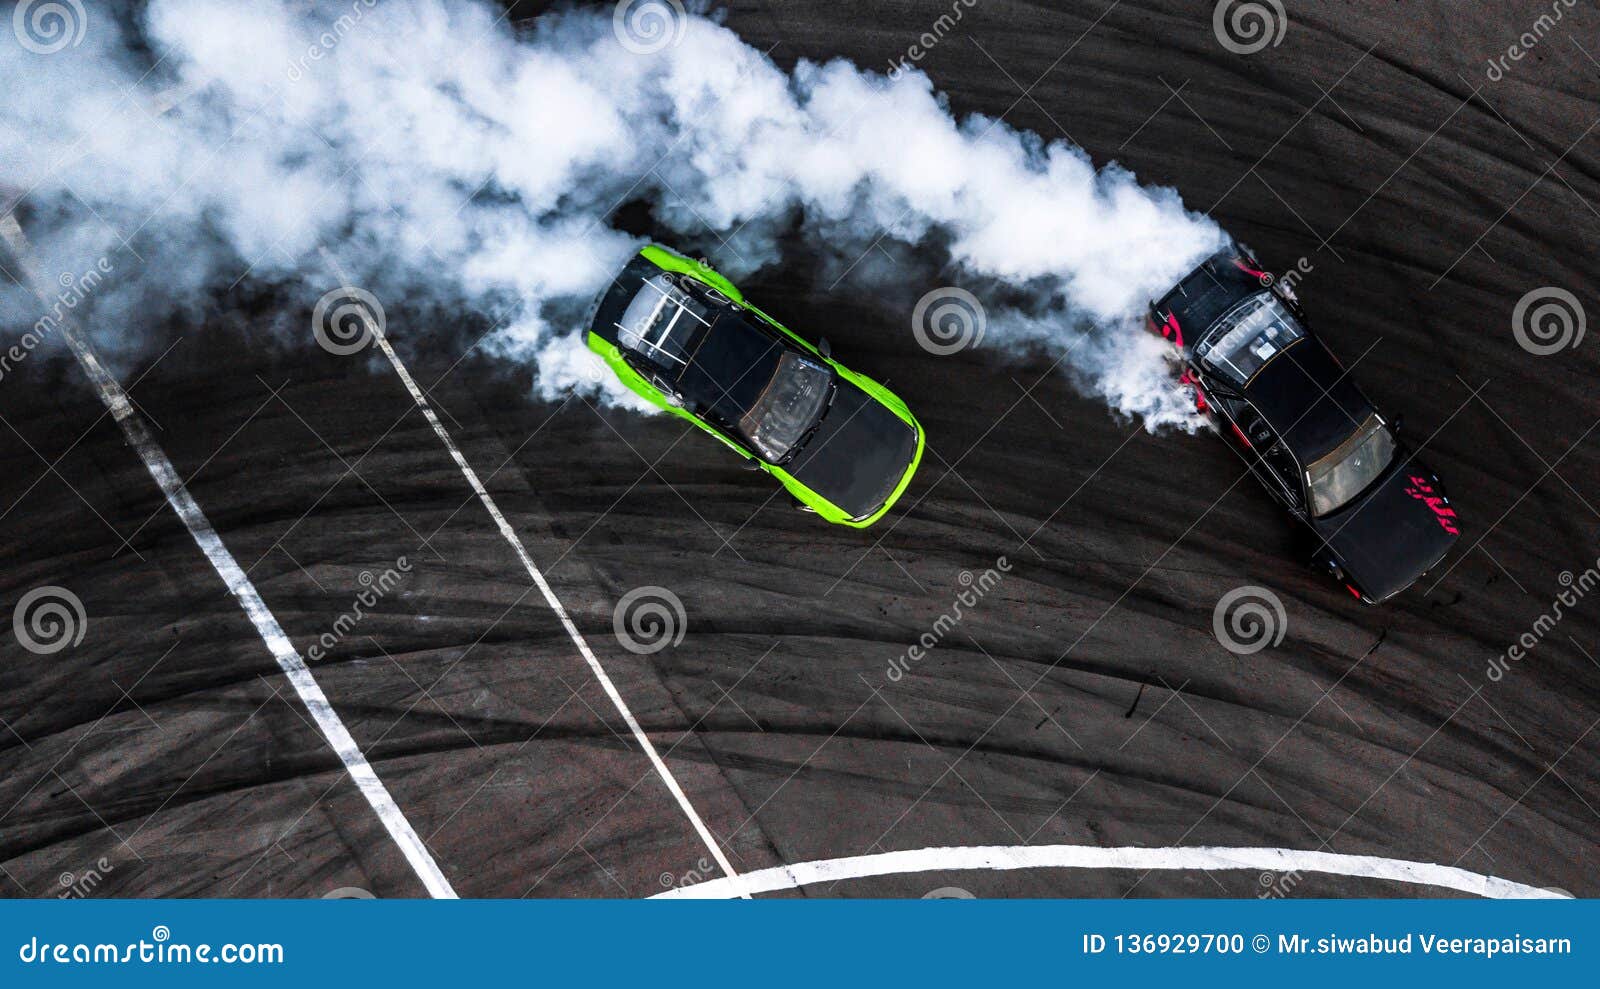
(1348, 470)
(789, 407)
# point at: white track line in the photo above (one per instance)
(1002, 857)
(510, 534)
(293, 666)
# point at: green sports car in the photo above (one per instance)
(682, 337)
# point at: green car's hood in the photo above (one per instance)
(858, 454)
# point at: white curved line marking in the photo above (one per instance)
(511, 537)
(1003, 857)
(266, 624)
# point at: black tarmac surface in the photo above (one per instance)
(1084, 700)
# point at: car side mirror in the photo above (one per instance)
(1398, 425)
(824, 347)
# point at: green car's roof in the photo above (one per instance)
(719, 358)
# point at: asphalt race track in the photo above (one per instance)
(1085, 700)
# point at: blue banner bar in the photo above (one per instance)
(917, 943)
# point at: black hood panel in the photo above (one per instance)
(858, 454)
(1400, 530)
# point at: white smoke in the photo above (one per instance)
(452, 159)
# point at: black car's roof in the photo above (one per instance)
(1307, 399)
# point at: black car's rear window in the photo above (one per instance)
(1243, 341)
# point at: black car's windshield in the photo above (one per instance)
(790, 405)
(1351, 468)
(1247, 338)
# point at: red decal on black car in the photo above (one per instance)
(1421, 490)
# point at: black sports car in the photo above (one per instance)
(1379, 518)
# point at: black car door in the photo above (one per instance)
(1269, 459)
